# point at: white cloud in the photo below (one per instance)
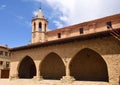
(58, 24)
(35, 12)
(62, 9)
(76, 11)
(2, 6)
(64, 18)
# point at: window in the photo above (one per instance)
(34, 26)
(59, 35)
(1, 62)
(109, 25)
(7, 64)
(81, 30)
(40, 27)
(1, 52)
(6, 53)
(45, 27)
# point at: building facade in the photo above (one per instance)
(88, 51)
(4, 62)
(40, 31)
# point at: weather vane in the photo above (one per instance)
(40, 5)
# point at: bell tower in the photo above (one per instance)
(39, 28)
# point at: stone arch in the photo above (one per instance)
(26, 68)
(88, 65)
(52, 67)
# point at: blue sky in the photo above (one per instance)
(16, 15)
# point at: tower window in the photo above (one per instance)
(34, 27)
(109, 24)
(81, 30)
(40, 27)
(45, 27)
(59, 35)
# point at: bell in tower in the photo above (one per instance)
(39, 28)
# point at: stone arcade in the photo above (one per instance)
(81, 52)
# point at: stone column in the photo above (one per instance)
(14, 76)
(14, 71)
(0, 73)
(112, 62)
(67, 78)
(67, 69)
(37, 77)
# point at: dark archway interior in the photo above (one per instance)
(52, 67)
(27, 68)
(88, 65)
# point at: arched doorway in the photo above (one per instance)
(88, 65)
(52, 67)
(27, 68)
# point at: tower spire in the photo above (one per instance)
(40, 14)
(39, 27)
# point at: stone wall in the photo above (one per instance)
(88, 27)
(107, 47)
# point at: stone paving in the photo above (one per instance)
(47, 82)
